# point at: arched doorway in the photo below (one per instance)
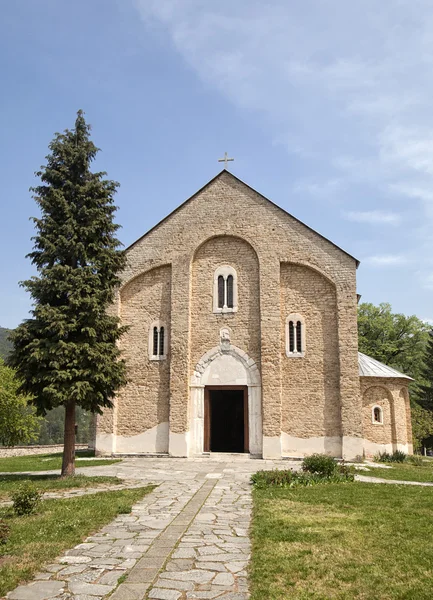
(226, 406)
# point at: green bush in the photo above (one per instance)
(415, 460)
(291, 479)
(320, 464)
(26, 499)
(385, 457)
(4, 532)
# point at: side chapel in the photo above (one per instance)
(243, 338)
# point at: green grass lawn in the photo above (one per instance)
(46, 483)
(60, 524)
(48, 462)
(403, 472)
(342, 541)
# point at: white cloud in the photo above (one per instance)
(346, 86)
(386, 260)
(374, 217)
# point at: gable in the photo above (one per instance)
(227, 175)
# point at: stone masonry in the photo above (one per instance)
(306, 404)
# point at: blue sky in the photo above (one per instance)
(325, 105)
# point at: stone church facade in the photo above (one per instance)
(243, 338)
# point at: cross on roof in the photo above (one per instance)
(225, 160)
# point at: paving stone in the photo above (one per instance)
(181, 564)
(92, 589)
(88, 576)
(225, 558)
(162, 594)
(184, 586)
(224, 579)
(193, 575)
(235, 596)
(203, 594)
(142, 575)
(53, 568)
(235, 567)
(39, 590)
(73, 570)
(127, 564)
(130, 591)
(81, 597)
(220, 567)
(209, 550)
(112, 577)
(184, 553)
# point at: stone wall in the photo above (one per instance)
(310, 384)
(228, 222)
(244, 324)
(378, 433)
(391, 394)
(142, 407)
(30, 450)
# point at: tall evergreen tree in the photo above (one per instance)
(66, 354)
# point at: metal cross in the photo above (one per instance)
(225, 160)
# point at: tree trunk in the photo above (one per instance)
(68, 464)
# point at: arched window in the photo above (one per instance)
(225, 297)
(295, 336)
(377, 415)
(157, 341)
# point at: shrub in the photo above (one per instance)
(276, 478)
(4, 532)
(291, 479)
(415, 460)
(26, 499)
(383, 457)
(398, 456)
(320, 464)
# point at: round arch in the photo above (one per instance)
(225, 365)
(222, 234)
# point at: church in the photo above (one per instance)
(243, 339)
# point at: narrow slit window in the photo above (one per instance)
(299, 337)
(155, 341)
(230, 291)
(161, 342)
(377, 414)
(221, 286)
(291, 336)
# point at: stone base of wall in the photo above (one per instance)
(300, 447)
(28, 450)
(152, 441)
(372, 448)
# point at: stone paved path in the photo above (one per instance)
(367, 479)
(188, 539)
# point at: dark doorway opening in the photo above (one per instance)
(226, 420)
